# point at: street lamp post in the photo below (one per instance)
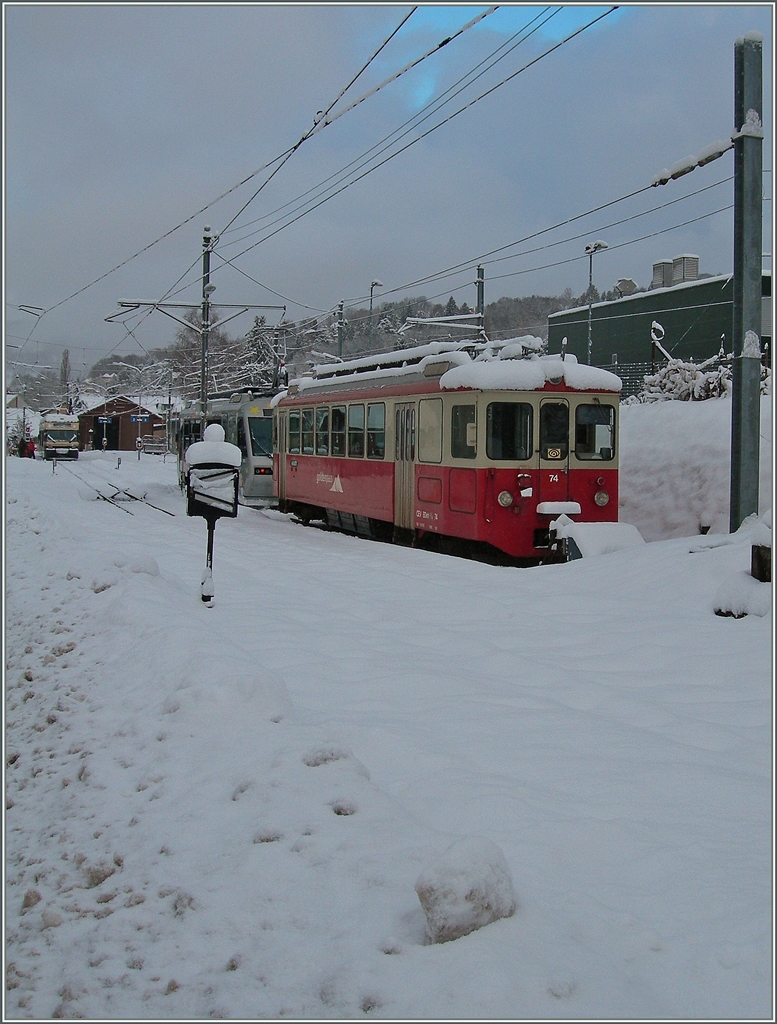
(590, 249)
(375, 284)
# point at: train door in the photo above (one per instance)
(282, 422)
(404, 465)
(554, 450)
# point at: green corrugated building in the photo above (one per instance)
(695, 314)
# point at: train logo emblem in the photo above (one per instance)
(337, 486)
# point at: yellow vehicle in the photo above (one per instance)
(58, 436)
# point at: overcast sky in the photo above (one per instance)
(123, 121)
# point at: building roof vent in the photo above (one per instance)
(663, 274)
(685, 268)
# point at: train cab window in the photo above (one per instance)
(294, 441)
(322, 431)
(261, 436)
(463, 432)
(430, 430)
(338, 430)
(595, 432)
(307, 431)
(509, 431)
(554, 430)
(356, 431)
(376, 431)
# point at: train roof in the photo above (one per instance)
(511, 365)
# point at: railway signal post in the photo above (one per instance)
(213, 467)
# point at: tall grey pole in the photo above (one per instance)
(590, 298)
(748, 240)
(480, 299)
(340, 329)
(205, 324)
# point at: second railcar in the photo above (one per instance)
(247, 423)
(484, 444)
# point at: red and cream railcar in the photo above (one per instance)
(484, 443)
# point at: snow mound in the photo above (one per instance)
(469, 886)
(213, 448)
(597, 538)
(742, 594)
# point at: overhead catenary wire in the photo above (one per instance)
(282, 158)
(429, 131)
(538, 21)
(317, 125)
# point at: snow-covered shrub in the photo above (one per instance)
(469, 886)
(684, 381)
(687, 381)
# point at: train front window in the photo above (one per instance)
(261, 435)
(595, 432)
(338, 430)
(554, 430)
(322, 431)
(509, 431)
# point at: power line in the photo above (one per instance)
(429, 131)
(312, 131)
(415, 121)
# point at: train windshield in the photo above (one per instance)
(61, 435)
(595, 432)
(261, 435)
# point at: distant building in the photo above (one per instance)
(696, 314)
(116, 420)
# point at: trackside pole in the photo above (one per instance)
(207, 591)
(748, 231)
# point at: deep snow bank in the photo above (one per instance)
(675, 466)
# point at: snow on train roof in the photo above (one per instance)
(511, 365)
(529, 374)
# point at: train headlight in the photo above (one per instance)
(505, 499)
(601, 498)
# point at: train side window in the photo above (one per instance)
(430, 430)
(275, 432)
(338, 430)
(294, 441)
(463, 432)
(376, 431)
(595, 432)
(509, 431)
(307, 431)
(356, 431)
(554, 430)
(241, 438)
(322, 430)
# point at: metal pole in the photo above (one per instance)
(340, 329)
(590, 299)
(206, 242)
(140, 395)
(480, 299)
(748, 239)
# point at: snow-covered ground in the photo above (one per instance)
(223, 812)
